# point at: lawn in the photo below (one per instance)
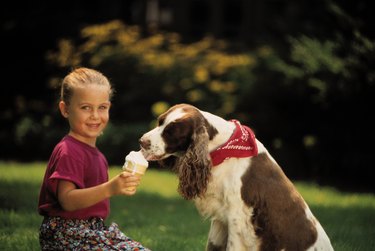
(163, 221)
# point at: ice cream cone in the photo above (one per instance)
(135, 164)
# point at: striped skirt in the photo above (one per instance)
(69, 234)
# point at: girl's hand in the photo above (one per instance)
(122, 184)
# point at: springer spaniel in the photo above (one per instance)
(234, 181)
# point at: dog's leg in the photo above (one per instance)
(217, 237)
(241, 236)
(235, 238)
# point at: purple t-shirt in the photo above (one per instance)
(77, 162)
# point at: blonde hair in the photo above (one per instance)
(80, 77)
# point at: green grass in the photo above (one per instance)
(161, 220)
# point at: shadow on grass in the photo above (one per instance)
(162, 223)
(19, 220)
(19, 195)
(157, 222)
(349, 228)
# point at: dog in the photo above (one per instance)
(234, 181)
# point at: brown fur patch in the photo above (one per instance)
(212, 247)
(279, 217)
(194, 112)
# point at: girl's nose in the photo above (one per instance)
(94, 114)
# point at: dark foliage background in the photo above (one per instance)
(303, 78)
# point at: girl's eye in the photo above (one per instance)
(103, 107)
(85, 107)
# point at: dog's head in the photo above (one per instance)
(180, 141)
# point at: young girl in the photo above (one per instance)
(74, 196)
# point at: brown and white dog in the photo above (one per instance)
(234, 181)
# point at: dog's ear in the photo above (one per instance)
(194, 166)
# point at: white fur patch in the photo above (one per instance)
(322, 241)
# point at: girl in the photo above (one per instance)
(74, 196)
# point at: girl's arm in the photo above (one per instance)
(71, 198)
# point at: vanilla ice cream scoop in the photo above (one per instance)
(136, 158)
(135, 163)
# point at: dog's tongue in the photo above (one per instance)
(151, 158)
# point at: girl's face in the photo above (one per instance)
(88, 112)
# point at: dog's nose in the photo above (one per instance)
(144, 143)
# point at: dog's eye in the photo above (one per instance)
(170, 130)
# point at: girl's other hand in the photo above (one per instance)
(120, 184)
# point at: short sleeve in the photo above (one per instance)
(67, 168)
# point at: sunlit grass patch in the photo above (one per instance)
(328, 196)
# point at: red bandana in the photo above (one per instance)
(240, 145)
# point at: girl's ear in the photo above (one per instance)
(63, 109)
